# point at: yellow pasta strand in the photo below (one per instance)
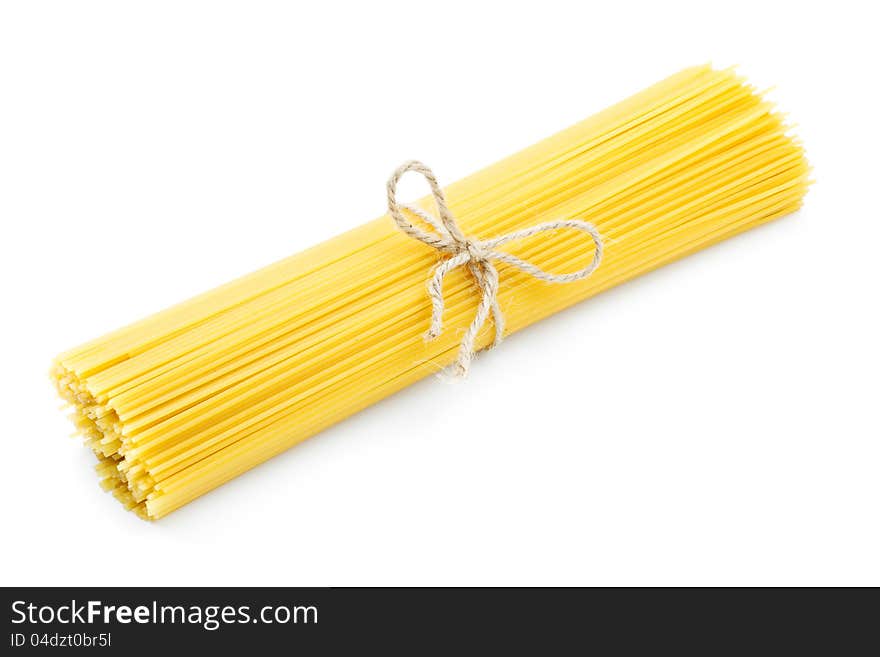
(185, 400)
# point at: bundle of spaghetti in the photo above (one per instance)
(183, 401)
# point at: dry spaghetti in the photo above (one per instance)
(185, 400)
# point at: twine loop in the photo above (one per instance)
(477, 255)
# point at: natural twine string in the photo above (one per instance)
(477, 255)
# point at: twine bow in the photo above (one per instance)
(477, 256)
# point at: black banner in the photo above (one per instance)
(163, 621)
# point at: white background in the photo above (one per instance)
(715, 422)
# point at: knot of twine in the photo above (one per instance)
(477, 256)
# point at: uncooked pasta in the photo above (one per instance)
(180, 402)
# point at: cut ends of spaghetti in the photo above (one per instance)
(103, 433)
